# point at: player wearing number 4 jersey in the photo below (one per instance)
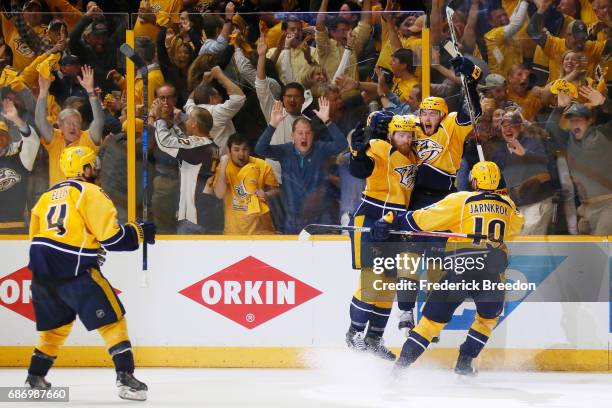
(480, 212)
(70, 223)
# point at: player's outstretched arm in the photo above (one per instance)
(465, 67)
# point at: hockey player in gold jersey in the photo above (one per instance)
(481, 212)
(70, 223)
(440, 140)
(389, 167)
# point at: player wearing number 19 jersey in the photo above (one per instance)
(480, 212)
(69, 225)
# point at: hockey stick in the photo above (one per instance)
(464, 82)
(315, 229)
(141, 66)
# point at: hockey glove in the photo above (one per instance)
(462, 65)
(359, 145)
(378, 124)
(148, 232)
(380, 229)
(101, 257)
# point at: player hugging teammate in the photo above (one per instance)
(383, 154)
(436, 146)
(440, 140)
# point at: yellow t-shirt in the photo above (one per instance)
(55, 148)
(502, 53)
(170, 7)
(156, 79)
(530, 104)
(22, 54)
(236, 200)
(65, 11)
(402, 87)
(271, 34)
(555, 47)
(384, 58)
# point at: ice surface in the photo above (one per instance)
(338, 379)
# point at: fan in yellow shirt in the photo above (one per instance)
(22, 54)
(69, 121)
(245, 183)
(155, 13)
(144, 47)
(575, 39)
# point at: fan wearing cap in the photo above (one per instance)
(245, 184)
(98, 46)
(524, 165)
(575, 39)
(54, 39)
(495, 87)
(503, 48)
(588, 146)
(331, 44)
(16, 163)
(23, 55)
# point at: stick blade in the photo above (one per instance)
(304, 235)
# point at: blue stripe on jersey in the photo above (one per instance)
(51, 261)
(65, 183)
(410, 223)
(64, 247)
(126, 239)
(488, 196)
(373, 208)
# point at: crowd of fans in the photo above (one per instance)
(250, 104)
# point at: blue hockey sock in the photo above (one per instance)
(360, 314)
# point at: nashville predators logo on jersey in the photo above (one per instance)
(8, 178)
(22, 48)
(407, 175)
(428, 150)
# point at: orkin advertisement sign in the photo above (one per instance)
(250, 292)
(15, 293)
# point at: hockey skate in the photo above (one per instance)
(376, 346)
(406, 322)
(354, 340)
(464, 366)
(130, 388)
(37, 382)
(400, 368)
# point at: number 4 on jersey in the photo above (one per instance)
(61, 218)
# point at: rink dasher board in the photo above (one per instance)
(168, 328)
